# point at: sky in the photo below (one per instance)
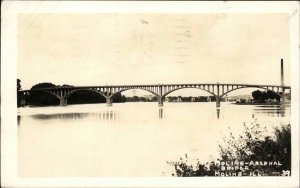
(121, 49)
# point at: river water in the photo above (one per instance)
(129, 139)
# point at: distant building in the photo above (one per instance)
(148, 97)
(239, 98)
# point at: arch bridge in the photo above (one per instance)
(217, 90)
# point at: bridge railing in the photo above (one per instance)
(158, 85)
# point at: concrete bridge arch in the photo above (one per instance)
(152, 92)
(276, 92)
(65, 98)
(188, 87)
(161, 91)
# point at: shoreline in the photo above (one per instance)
(270, 104)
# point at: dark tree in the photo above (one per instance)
(43, 85)
(154, 99)
(252, 145)
(281, 148)
(262, 97)
(257, 95)
(66, 85)
(19, 96)
(273, 95)
(213, 98)
(118, 98)
(123, 98)
(86, 97)
(19, 84)
(42, 98)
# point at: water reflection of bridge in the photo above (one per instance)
(105, 115)
(270, 110)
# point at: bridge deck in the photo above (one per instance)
(166, 85)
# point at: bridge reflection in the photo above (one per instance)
(218, 113)
(106, 115)
(110, 115)
(160, 112)
(273, 111)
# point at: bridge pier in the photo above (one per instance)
(218, 104)
(160, 101)
(284, 98)
(62, 101)
(160, 96)
(108, 101)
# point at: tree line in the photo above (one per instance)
(264, 96)
(40, 98)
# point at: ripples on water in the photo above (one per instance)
(129, 139)
(107, 115)
(270, 110)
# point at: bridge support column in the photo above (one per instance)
(62, 101)
(160, 97)
(284, 98)
(108, 101)
(160, 101)
(218, 104)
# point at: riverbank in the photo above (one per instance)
(252, 103)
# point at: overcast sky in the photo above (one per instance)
(100, 49)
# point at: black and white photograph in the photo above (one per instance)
(146, 93)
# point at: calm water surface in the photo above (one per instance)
(128, 139)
